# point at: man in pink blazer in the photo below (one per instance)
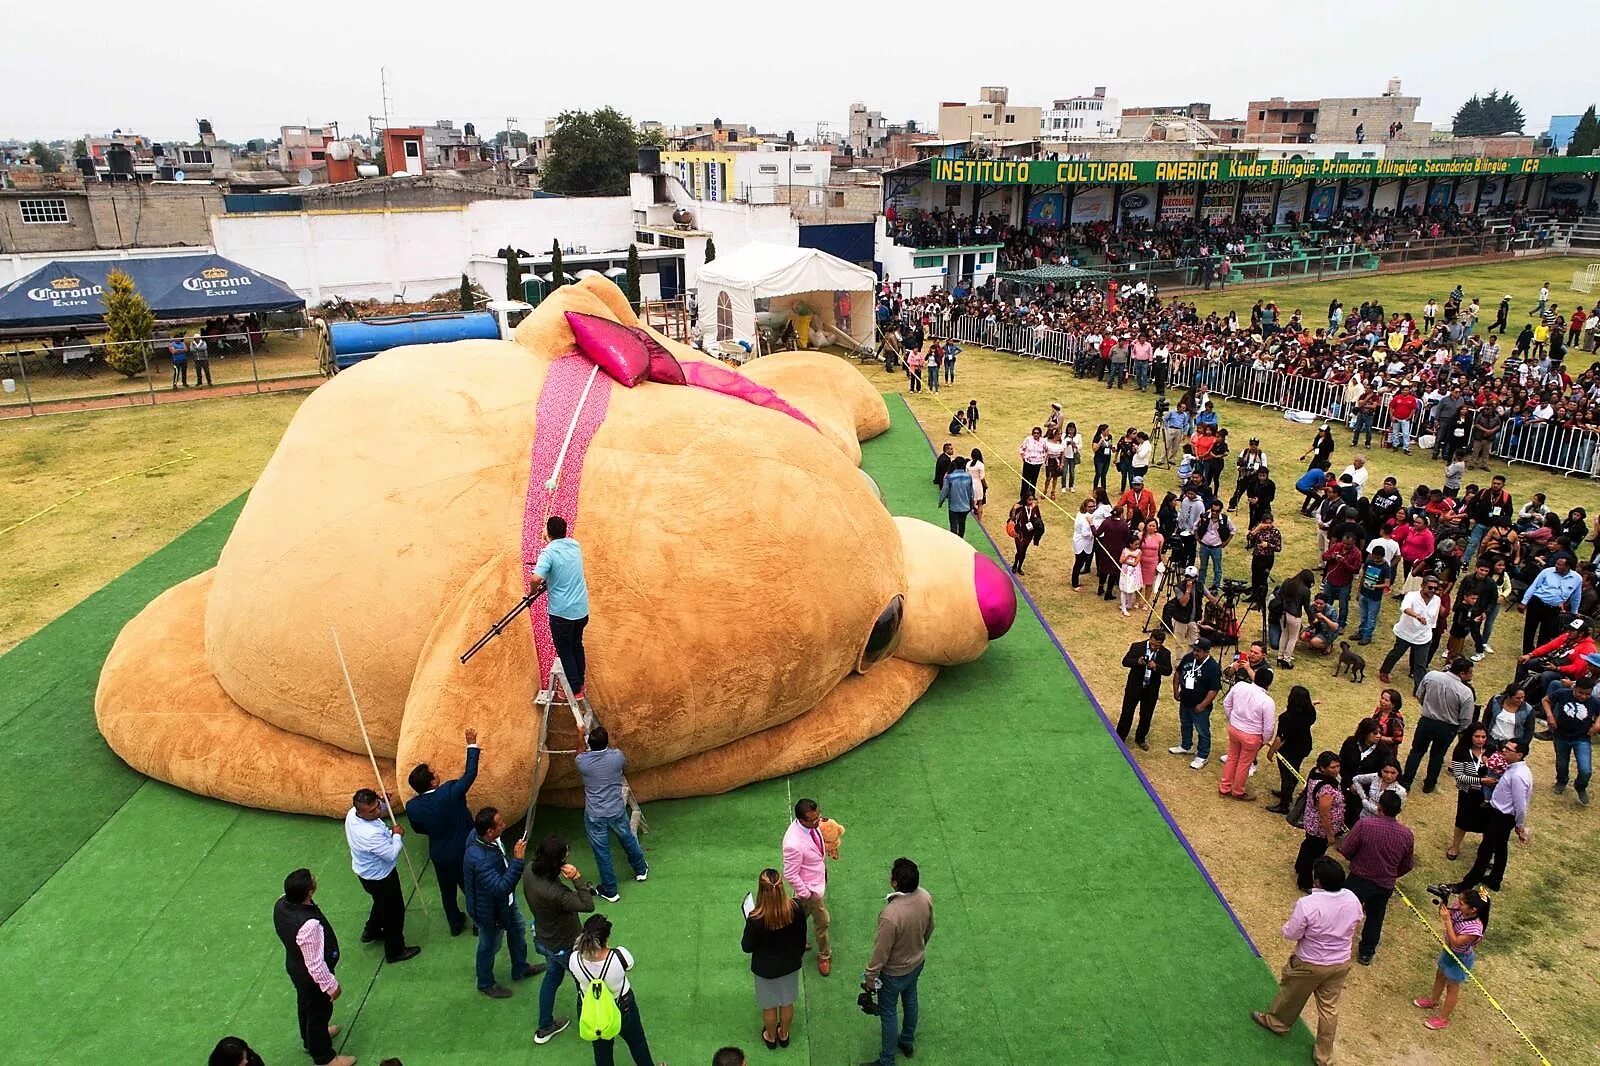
(804, 855)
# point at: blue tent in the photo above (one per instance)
(70, 292)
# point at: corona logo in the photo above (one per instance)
(214, 273)
(65, 292)
(66, 283)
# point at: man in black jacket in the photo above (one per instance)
(1261, 492)
(311, 953)
(439, 812)
(1147, 662)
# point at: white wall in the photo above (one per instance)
(383, 254)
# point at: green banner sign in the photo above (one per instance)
(1143, 172)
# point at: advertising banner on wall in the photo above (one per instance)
(1092, 205)
(1322, 202)
(1046, 209)
(1293, 201)
(1177, 205)
(1140, 172)
(1569, 190)
(1489, 192)
(1138, 203)
(1355, 196)
(1413, 197)
(1440, 194)
(1466, 195)
(1218, 201)
(1257, 199)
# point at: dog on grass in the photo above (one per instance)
(1350, 662)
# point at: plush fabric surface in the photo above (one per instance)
(736, 559)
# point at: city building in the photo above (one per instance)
(304, 147)
(1390, 118)
(1201, 111)
(867, 133)
(992, 118)
(1082, 118)
(1560, 131)
(768, 175)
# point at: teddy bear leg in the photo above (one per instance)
(160, 709)
(493, 693)
(859, 708)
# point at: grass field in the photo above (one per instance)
(151, 841)
(1130, 956)
(1537, 958)
(1408, 291)
(64, 554)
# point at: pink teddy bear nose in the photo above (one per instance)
(997, 596)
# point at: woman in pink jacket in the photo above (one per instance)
(1416, 543)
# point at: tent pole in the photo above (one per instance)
(27, 393)
(148, 380)
(251, 345)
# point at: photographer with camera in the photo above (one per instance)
(905, 925)
(1464, 923)
(1147, 662)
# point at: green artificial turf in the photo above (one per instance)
(1072, 925)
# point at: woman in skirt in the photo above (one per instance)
(1469, 766)
(775, 940)
(1464, 921)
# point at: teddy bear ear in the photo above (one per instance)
(548, 333)
(829, 391)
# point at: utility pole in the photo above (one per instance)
(505, 152)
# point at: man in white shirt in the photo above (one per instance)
(1508, 813)
(1413, 633)
(1357, 472)
(374, 847)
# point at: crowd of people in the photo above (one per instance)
(1140, 239)
(478, 870)
(1476, 382)
(1447, 559)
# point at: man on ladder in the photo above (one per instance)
(559, 571)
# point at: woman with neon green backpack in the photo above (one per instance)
(606, 1005)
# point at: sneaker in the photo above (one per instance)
(612, 896)
(1224, 759)
(496, 992)
(644, 876)
(1180, 751)
(1488, 649)
(1365, 960)
(1197, 763)
(1559, 789)
(1436, 1023)
(1478, 658)
(1424, 1002)
(1583, 796)
(1252, 772)
(545, 1035)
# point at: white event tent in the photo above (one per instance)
(770, 280)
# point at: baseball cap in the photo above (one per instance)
(1203, 643)
(1138, 480)
(1190, 571)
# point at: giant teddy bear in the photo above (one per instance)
(755, 609)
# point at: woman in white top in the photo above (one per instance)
(1082, 542)
(1073, 442)
(980, 487)
(593, 959)
(1055, 450)
(1371, 786)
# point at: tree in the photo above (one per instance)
(1488, 116)
(467, 302)
(653, 137)
(711, 248)
(46, 157)
(1586, 138)
(80, 149)
(513, 276)
(557, 275)
(591, 153)
(911, 125)
(633, 276)
(129, 324)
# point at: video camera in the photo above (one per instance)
(1235, 586)
(1441, 894)
(867, 1000)
(1162, 406)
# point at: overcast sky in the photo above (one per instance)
(154, 67)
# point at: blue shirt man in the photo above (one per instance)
(956, 491)
(440, 813)
(605, 811)
(559, 571)
(1558, 587)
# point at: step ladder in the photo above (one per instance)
(558, 692)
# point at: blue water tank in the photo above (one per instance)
(354, 341)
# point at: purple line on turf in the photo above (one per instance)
(1104, 720)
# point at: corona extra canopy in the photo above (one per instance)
(177, 288)
(1110, 172)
